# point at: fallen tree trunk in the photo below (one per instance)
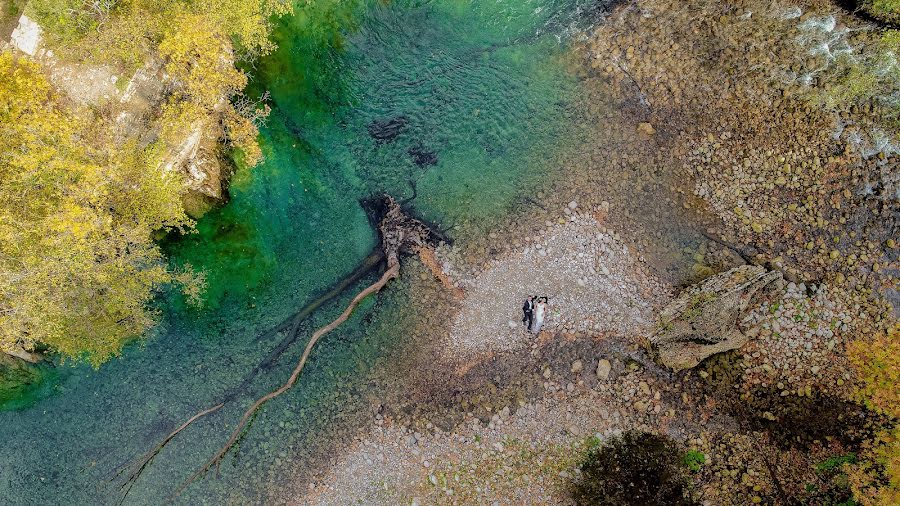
(391, 273)
(292, 325)
(400, 234)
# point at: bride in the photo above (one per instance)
(539, 309)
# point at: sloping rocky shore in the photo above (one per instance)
(705, 148)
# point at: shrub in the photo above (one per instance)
(636, 468)
(875, 480)
(694, 460)
(885, 10)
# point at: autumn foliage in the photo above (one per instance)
(876, 479)
(78, 266)
(201, 43)
(79, 206)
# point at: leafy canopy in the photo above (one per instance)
(199, 41)
(78, 266)
(876, 479)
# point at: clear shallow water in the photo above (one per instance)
(466, 100)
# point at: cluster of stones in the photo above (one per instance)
(729, 472)
(768, 159)
(798, 345)
(717, 93)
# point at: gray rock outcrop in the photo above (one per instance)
(702, 320)
(133, 107)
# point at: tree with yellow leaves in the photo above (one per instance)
(78, 266)
(876, 479)
(200, 60)
(200, 42)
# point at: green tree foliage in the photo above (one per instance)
(885, 10)
(78, 266)
(636, 468)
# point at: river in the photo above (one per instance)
(457, 103)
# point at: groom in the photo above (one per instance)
(528, 310)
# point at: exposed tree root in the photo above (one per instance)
(236, 434)
(428, 258)
(145, 460)
(292, 324)
(399, 234)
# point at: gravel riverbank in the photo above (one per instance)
(704, 148)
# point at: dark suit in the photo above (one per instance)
(528, 311)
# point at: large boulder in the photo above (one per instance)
(702, 320)
(26, 37)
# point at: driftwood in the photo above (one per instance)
(400, 234)
(390, 274)
(291, 327)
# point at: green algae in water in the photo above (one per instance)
(23, 385)
(472, 84)
(484, 94)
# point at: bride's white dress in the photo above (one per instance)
(539, 310)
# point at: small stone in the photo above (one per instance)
(603, 369)
(573, 205)
(646, 129)
(645, 388)
(577, 366)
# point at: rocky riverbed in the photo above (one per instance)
(704, 148)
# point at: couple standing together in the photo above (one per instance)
(534, 309)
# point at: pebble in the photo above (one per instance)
(603, 369)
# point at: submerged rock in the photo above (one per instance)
(386, 130)
(422, 156)
(702, 321)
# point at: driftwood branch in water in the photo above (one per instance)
(292, 323)
(378, 285)
(148, 457)
(399, 234)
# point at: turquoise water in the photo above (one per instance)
(455, 103)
